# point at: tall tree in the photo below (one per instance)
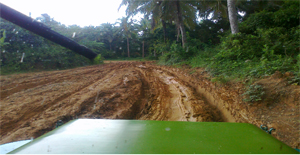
(220, 10)
(212, 9)
(145, 29)
(232, 14)
(125, 29)
(183, 13)
(108, 33)
(179, 22)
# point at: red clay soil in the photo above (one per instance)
(32, 103)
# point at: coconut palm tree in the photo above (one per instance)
(145, 29)
(219, 9)
(182, 13)
(108, 32)
(230, 8)
(212, 9)
(232, 14)
(127, 29)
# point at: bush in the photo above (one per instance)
(268, 48)
(239, 47)
(203, 57)
(254, 93)
(98, 60)
(176, 54)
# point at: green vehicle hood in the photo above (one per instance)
(99, 136)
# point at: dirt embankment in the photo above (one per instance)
(31, 104)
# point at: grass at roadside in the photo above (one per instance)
(244, 69)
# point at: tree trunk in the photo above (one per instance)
(182, 29)
(110, 46)
(180, 24)
(232, 16)
(143, 49)
(154, 53)
(178, 33)
(164, 28)
(128, 47)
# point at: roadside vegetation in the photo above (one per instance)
(268, 41)
(200, 33)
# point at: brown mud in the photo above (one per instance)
(32, 103)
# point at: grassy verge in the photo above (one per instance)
(244, 69)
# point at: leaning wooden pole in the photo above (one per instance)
(41, 29)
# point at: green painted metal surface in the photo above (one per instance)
(134, 136)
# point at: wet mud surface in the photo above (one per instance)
(32, 103)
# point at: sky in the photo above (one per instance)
(70, 12)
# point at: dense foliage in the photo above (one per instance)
(268, 42)
(23, 51)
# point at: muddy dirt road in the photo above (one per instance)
(32, 103)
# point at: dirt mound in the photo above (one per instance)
(31, 104)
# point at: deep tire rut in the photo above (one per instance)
(112, 91)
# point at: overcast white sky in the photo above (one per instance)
(69, 12)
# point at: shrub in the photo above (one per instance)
(253, 93)
(176, 54)
(98, 60)
(266, 49)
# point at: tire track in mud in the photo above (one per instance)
(113, 91)
(157, 97)
(213, 101)
(123, 90)
(28, 113)
(32, 82)
(177, 101)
